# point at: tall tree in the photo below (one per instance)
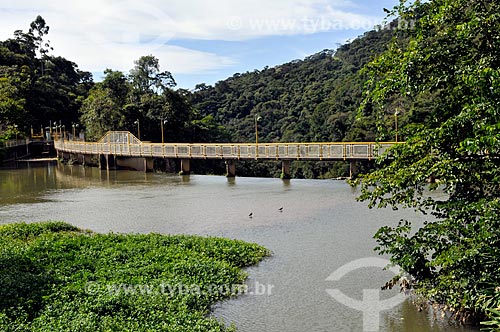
(101, 113)
(452, 54)
(147, 77)
(39, 29)
(108, 106)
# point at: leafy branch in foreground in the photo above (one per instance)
(450, 165)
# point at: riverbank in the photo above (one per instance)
(56, 277)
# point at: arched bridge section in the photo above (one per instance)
(118, 147)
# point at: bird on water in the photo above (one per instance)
(251, 214)
(280, 209)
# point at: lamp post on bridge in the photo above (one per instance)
(15, 129)
(257, 119)
(74, 130)
(163, 121)
(396, 123)
(138, 129)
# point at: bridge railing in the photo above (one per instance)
(269, 151)
(14, 143)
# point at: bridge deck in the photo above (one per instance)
(127, 145)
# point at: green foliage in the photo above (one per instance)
(144, 100)
(54, 277)
(101, 113)
(35, 87)
(444, 76)
(24, 232)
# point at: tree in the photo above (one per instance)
(101, 113)
(117, 83)
(39, 29)
(145, 95)
(36, 87)
(107, 107)
(451, 53)
(147, 77)
(12, 101)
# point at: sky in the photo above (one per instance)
(198, 41)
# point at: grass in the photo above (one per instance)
(56, 277)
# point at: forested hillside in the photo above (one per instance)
(315, 99)
(311, 100)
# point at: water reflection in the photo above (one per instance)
(26, 185)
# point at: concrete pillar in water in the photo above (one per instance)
(230, 168)
(148, 165)
(87, 159)
(107, 161)
(111, 161)
(285, 169)
(102, 162)
(185, 167)
(139, 164)
(353, 168)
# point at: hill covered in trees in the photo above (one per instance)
(311, 100)
(315, 99)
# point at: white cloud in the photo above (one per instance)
(109, 33)
(175, 59)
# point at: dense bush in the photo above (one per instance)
(55, 277)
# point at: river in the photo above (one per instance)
(320, 229)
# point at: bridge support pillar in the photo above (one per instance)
(353, 169)
(285, 169)
(102, 162)
(185, 167)
(107, 162)
(111, 161)
(148, 165)
(87, 159)
(139, 164)
(231, 168)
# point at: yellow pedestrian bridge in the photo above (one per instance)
(123, 149)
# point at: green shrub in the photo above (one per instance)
(55, 277)
(23, 231)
